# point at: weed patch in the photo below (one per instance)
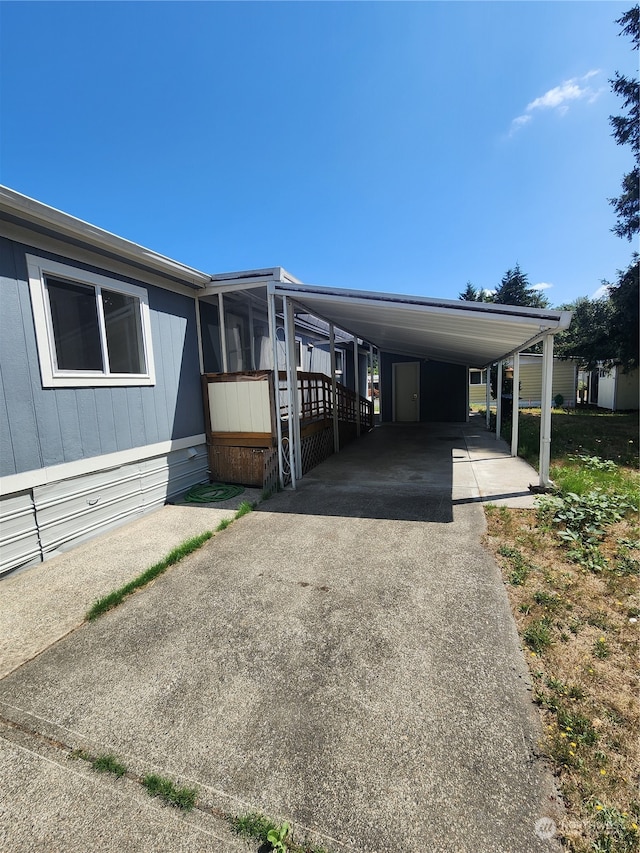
(181, 798)
(262, 829)
(108, 764)
(577, 615)
(113, 599)
(520, 569)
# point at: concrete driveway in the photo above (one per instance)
(343, 657)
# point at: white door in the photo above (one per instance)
(406, 391)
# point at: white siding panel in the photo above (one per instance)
(242, 412)
(628, 390)
(72, 509)
(239, 406)
(607, 391)
(19, 542)
(171, 475)
(37, 524)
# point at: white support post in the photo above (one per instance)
(515, 408)
(499, 401)
(468, 397)
(334, 389)
(356, 384)
(292, 391)
(223, 333)
(252, 355)
(370, 395)
(545, 414)
(199, 336)
(515, 416)
(488, 395)
(271, 316)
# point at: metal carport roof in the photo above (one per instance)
(454, 331)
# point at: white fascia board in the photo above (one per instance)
(55, 473)
(271, 273)
(37, 213)
(445, 306)
(233, 287)
(91, 256)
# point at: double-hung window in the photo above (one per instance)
(91, 329)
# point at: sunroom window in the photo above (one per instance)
(91, 329)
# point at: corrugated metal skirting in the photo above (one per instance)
(43, 521)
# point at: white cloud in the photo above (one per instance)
(559, 98)
(601, 292)
(543, 285)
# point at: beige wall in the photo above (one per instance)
(564, 382)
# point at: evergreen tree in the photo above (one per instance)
(515, 289)
(470, 294)
(625, 323)
(588, 337)
(626, 131)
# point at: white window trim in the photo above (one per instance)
(483, 377)
(38, 268)
(339, 352)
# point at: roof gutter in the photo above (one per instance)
(36, 213)
(563, 323)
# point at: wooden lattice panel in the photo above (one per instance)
(316, 448)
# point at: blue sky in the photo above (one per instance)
(407, 147)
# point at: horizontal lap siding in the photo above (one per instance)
(41, 427)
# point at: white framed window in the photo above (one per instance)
(339, 362)
(90, 329)
(477, 377)
(299, 353)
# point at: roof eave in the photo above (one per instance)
(36, 213)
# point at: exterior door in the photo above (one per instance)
(406, 391)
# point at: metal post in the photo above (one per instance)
(223, 333)
(545, 414)
(334, 389)
(292, 391)
(252, 356)
(356, 384)
(370, 396)
(468, 396)
(271, 316)
(199, 335)
(488, 396)
(515, 416)
(499, 401)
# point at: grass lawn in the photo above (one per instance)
(571, 570)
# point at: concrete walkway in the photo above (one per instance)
(343, 657)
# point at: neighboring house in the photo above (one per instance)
(565, 380)
(611, 388)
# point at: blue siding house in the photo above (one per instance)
(101, 415)
(113, 358)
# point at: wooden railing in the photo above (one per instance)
(314, 400)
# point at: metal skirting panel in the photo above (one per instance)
(168, 476)
(40, 523)
(19, 542)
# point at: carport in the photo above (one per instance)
(452, 332)
(425, 330)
